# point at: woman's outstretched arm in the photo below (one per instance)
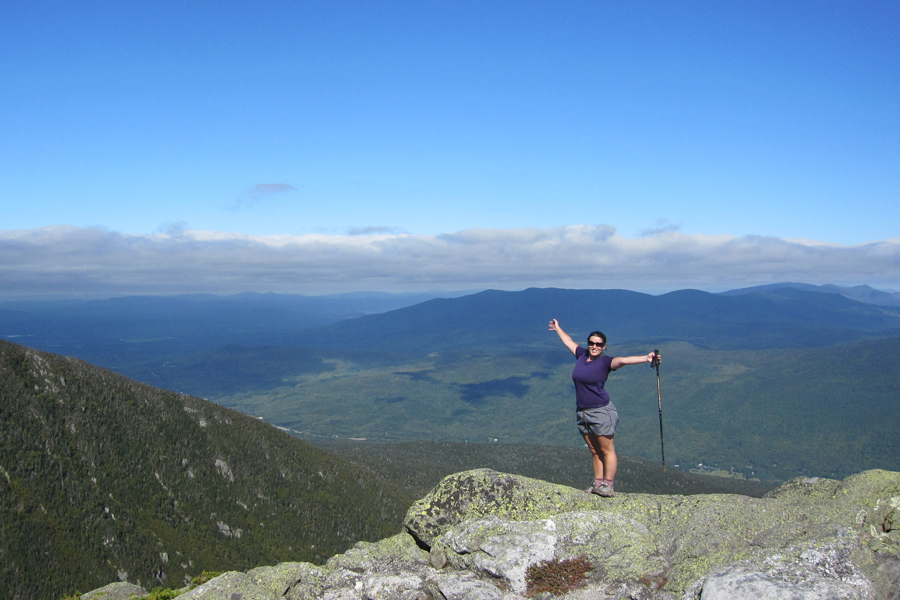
(621, 361)
(565, 337)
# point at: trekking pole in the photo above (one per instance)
(662, 446)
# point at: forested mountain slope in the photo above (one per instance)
(103, 478)
(497, 321)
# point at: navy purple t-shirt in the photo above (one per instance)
(589, 378)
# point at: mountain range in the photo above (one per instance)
(769, 382)
(121, 333)
(115, 331)
(861, 293)
(510, 322)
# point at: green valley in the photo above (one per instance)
(770, 414)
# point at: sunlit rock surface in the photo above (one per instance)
(478, 532)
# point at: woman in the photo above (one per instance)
(596, 415)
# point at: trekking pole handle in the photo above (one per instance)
(655, 361)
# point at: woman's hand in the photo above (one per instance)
(566, 339)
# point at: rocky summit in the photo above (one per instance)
(484, 535)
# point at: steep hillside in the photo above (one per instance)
(102, 478)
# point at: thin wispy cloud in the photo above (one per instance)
(260, 192)
(662, 226)
(272, 188)
(70, 260)
(374, 230)
(173, 228)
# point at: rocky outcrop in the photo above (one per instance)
(120, 590)
(487, 535)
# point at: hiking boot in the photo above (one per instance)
(603, 490)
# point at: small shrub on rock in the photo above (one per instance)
(556, 576)
(162, 594)
(203, 578)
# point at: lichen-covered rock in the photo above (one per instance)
(693, 535)
(391, 568)
(233, 585)
(483, 492)
(619, 549)
(365, 555)
(467, 587)
(742, 584)
(881, 568)
(807, 572)
(476, 534)
(283, 577)
(121, 590)
(501, 549)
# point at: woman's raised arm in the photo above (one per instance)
(563, 336)
(621, 361)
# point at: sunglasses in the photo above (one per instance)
(598, 344)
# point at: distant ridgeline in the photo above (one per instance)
(102, 478)
(767, 383)
(770, 384)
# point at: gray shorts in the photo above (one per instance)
(599, 421)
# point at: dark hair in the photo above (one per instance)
(599, 334)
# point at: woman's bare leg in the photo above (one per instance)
(593, 444)
(608, 456)
(603, 454)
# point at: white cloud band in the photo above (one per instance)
(70, 260)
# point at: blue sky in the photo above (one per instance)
(285, 145)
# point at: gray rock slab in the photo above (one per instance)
(619, 549)
(393, 568)
(742, 584)
(688, 536)
(232, 585)
(121, 590)
(283, 577)
(367, 555)
(481, 493)
(466, 587)
(401, 586)
(803, 573)
(502, 549)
